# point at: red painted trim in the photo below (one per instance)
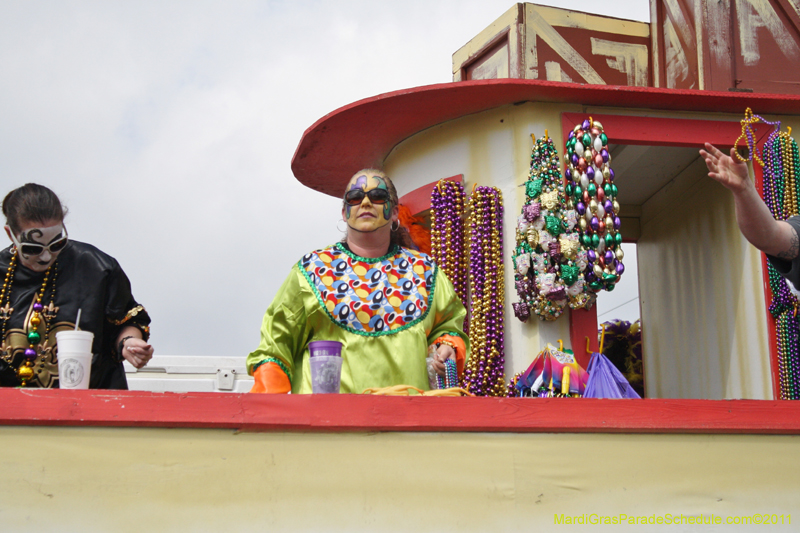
(772, 332)
(583, 325)
(360, 413)
(419, 199)
(362, 134)
(772, 325)
(652, 131)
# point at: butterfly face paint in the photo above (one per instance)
(368, 205)
(38, 247)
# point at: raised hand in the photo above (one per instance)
(726, 169)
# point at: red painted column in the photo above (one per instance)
(583, 325)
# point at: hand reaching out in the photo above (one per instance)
(726, 169)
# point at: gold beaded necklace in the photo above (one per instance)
(25, 370)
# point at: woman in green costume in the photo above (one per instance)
(387, 304)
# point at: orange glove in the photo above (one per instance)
(270, 379)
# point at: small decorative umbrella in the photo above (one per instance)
(553, 373)
(605, 380)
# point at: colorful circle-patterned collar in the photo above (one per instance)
(371, 297)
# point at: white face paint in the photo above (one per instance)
(38, 246)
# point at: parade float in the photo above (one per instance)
(344, 462)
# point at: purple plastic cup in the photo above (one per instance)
(326, 366)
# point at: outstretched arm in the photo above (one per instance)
(773, 237)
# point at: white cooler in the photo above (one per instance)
(190, 373)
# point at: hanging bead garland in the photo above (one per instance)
(781, 159)
(549, 262)
(590, 183)
(447, 233)
(485, 369)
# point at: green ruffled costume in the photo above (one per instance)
(385, 312)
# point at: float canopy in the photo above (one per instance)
(362, 134)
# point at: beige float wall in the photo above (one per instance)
(132, 480)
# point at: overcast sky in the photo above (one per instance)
(168, 129)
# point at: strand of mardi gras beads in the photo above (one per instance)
(749, 120)
(781, 158)
(26, 370)
(447, 234)
(451, 375)
(484, 373)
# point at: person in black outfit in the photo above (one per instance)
(46, 279)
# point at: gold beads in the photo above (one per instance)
(25, 373)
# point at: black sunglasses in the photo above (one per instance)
(376, 196)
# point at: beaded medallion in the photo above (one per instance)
(30, 351)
